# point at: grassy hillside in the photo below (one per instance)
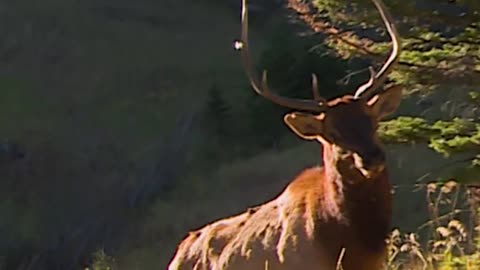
(120, 67)
(254, 181)
(95, 94)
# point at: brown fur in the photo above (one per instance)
(320, 212)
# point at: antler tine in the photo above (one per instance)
(262, 88)
(316, 92)
(377, 79)
(362, 88)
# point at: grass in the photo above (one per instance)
(75, 79)
(451, 243)
(452, 240)
(245, 183)
(20, 108)
(122, 68)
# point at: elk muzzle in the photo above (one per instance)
(371, 162)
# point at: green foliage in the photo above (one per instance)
(440, 38)
(458, 136)
(102, 261)
(405, 129)
(445, 137)
(440, 52)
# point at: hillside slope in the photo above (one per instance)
(99, 98)
(118, 66)
(247, 183)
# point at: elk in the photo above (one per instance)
(328, 217)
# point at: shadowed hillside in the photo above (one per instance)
(102, 99)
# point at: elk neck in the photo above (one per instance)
(361, 203)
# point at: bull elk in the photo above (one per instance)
(338, 214)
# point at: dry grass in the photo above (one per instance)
(250, 182)
(449, 239)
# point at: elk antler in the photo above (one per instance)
(377, 79)
(316, 93)
(317, 105)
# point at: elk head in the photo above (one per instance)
(347, 124)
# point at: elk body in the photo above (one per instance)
(338, 214)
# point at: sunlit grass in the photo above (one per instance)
(452, 240)
(244, 183)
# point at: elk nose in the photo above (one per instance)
(375, 157)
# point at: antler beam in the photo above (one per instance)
(377, 79)
(317, 105)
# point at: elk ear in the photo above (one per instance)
(307, 126)
(385, 103)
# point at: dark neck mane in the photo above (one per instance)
(359, 202)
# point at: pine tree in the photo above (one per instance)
(217, 114)
(441, 48)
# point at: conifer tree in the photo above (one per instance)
(441, 55)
